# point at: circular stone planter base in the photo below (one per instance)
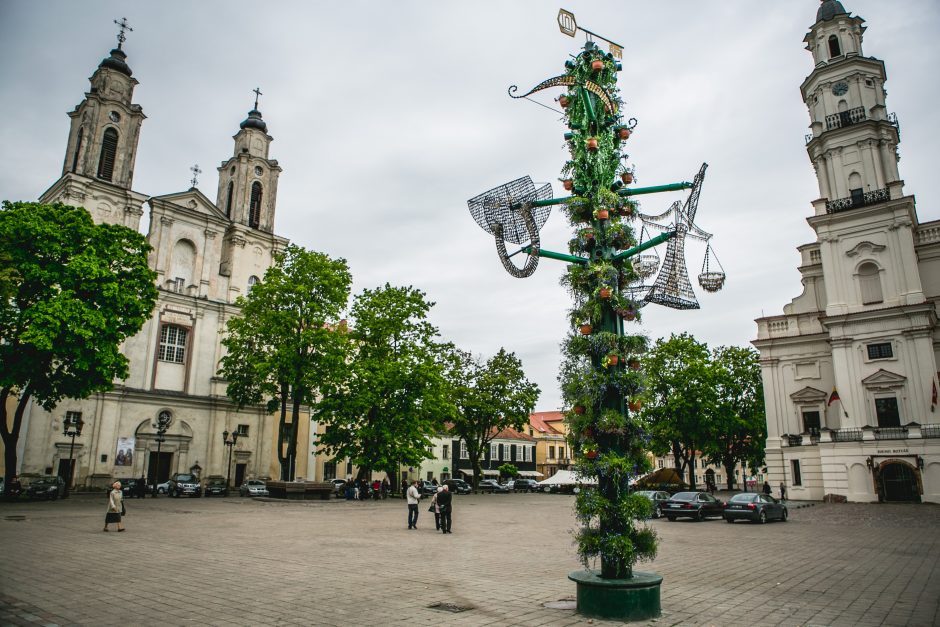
(636, 598)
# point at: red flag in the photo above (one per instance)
(833, 397)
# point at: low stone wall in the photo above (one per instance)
(299, 490)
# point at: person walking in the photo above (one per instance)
(445, 504)
(414, 497)
(404, 488)
(435, 508)
(783, 491)
(115, 507)
(767, 488)
(141, 487)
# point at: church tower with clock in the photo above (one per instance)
(850, 368)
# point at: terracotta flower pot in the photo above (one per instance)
(591, 454)
(605, 293)
(623, 133)
(627, 177)
(586, 329)
(563, 101)
(588, 234)
(634, 364)
(603, 214)
(597, 65)
(592, 143)
(568, 184)
(579, 409)
(613, 360)
(636, 406)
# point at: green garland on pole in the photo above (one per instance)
(600, 379)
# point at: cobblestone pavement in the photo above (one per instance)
(239, 561)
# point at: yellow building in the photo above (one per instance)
(552, 452)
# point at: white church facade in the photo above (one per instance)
(850, 368)
(206, 254)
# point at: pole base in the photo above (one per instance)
(636, 598)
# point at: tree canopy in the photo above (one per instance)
(71, 291)
(388, 397)
(288, 342)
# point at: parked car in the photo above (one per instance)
(216, 486)
(526, 485)
(47, 487)
(657, 498)
(754, 507)
(427, 488)
(339, 487)
(130, 487)
(695, 505)
(162, 488)
(184, 484)
(253, 487)
(493, 486)
(458, 486)
(510, 484)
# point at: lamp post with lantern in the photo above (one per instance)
(73, 428)
(230, 444)
(163, 423)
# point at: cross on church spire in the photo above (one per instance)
(121, 36)
(196, 172)
(257, 92)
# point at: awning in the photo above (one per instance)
(530, 473)
(490, 473)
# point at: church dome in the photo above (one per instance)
(117, 62)
(254, 121)
(830, 9)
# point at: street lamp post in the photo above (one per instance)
(73, 427)
(163, 422)
(230, 444)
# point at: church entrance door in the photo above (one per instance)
(159, 469)
(898, 483)
(240, 474)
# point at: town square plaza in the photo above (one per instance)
(243, 561)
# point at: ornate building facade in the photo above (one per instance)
(850, 368)
(206, 254)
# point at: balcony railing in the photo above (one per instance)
(845, 118)
(847, 435)
(794, 440)
(891, 433)
(930, 431)
(858, 200)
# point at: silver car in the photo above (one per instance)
(253, 487)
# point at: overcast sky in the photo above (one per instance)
(388, 116)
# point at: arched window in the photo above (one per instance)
(855, 189)
(254, 209)
(869, 280)
(78, 148)
(109, 144)
(251, 281)
(183, 264)
(834, 49)
(228, 201)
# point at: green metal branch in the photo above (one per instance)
(548, 254)
(671, 187)
(656, 241)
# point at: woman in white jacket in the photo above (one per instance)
(115, 507)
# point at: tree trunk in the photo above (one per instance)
(728, 464)
(11, 435)
(281, 457)
(477, 468)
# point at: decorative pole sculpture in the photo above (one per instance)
(601, 380)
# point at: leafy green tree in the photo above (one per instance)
(508, 470)
(288, 342)
(489, 397)
(738, 426)
(72, 292)
(388, 398)
(681, 399)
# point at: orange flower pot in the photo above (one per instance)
(592, 144)
(634, 364)
(602, 214)
(636, 406)
(579, 409)
(626, 177)
(591, 454)
(623, 133)
(563, 101)
(613, 360)
(605, 293)
(589, 234)
(568, 184)
(597, 65)
(586, 329)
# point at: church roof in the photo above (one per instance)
(254, 121)
(829, 9)
(117, 61)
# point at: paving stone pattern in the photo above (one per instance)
(233, 561)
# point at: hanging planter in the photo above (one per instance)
(592, 144)
(588, 234)
(633, 364)
(597, 65)
(623, 133)
(613, 359)
(563, 101)
(629, 314)
(636, 405)
(602, 214)
(579, 410)
(626, 177)
(604, 293)
(592, 455)
(568, 184)
(586, 329)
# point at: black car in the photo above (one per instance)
(754, 507)
(131, 488)
(458, 486)
(657, 498)
(427, 488)
(47, 487)
(493, 486)
(695, 505)
(185, 484)
(525, 485)
(216, 486)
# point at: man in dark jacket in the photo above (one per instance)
(445, 503)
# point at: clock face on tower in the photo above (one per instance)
(115, 116)
(258, 170)
(840, 88)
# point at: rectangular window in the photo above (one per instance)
(463, 451)
(446, 452)
(660, 463)
(880, 351)
(561, 452)
(795, 469)
(811, 422)
(494, 451)
(430, 475)
(551, 452)
(887, 411)
(329, 471)
(172, 344)
(242, 431)
(179, 284)
(348, 469)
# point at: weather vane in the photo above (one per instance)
(196, 172)
(257, 92)
(121, 36)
